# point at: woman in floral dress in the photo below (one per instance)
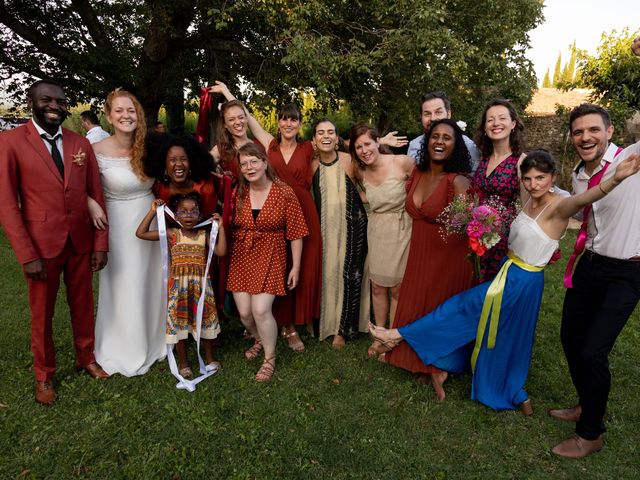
(500, 138)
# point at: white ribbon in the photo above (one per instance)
(205, 370)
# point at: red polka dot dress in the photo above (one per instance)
(258, 248)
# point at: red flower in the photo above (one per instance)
(477, 247)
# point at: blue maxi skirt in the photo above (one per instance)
(445, 338)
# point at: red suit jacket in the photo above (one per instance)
(38, 210)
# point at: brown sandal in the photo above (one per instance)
(253, 352)
(266, 370)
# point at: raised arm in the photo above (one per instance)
(220, 248)
(143, 229)
(569, 206)
(264, 137)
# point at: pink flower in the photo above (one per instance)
(475, 229)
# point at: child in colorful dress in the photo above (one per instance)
(188, 258)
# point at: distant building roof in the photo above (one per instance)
(545, 99)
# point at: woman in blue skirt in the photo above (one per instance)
(501, 315)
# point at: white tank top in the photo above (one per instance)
(528, 241)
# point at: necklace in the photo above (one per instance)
(330, 163)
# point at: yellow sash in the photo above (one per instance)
(493, 302)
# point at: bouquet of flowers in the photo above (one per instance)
(483, 224)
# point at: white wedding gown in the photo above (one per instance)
(130, 323)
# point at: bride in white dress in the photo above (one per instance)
(130, 318)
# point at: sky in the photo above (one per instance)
(581, 20)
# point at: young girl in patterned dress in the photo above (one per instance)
(188, 260)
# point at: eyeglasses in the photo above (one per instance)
(188, 213)
(253, 163)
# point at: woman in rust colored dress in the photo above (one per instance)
(436, 269)
(267, 214)
(182, 166)
(232, 132)
(500, 138)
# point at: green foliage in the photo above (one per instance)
(378, 56)
(326, 415)
(614, 75)
(546, 83)
(557, 72)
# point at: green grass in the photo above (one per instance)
(326, 414)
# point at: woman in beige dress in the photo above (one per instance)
(383, 178)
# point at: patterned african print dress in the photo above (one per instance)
(188, 264)
(502, 184)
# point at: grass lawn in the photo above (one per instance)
(326, 414)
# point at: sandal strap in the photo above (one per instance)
(266, 370)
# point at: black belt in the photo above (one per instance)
(591, 255)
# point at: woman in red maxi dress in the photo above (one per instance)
(436, 269)
(291, 160)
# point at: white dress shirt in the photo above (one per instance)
(96, 134)
(41, 132)
(614, 222)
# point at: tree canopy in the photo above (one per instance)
(378, 56)
(613, 74)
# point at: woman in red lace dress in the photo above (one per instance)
(436, 269)
(500, 138)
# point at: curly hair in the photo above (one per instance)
(459, 161)
(251, 150)
(201, 162)
(516, 137)
(226, 146)
(138, 151)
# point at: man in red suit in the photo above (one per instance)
(46, 174)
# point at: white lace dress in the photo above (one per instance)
(130, 321)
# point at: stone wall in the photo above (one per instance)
(546, 131)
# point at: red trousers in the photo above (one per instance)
(42, 300)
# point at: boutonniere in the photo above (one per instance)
(79, 157)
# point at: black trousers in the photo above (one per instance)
(605, 292)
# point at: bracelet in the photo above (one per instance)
(602, 189)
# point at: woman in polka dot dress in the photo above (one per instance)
(267, 213)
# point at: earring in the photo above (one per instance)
(552, 189)
(166, 177)
(336, 148)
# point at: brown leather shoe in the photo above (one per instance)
(567, 414)
(578, 447)
(45, 393)
(94, 370)
(526, 408)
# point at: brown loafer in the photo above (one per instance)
(578, 447)
(567, 414)
(94, 370)
(526, 408)
(45, 393)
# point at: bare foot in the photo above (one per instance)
(387, 339)
(338, 342)
(423, 379)
(437, 380)
(373, 351)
